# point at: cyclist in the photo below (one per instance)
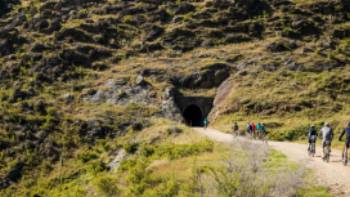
(258, 129)
(253, 129)
(327, 136)
(261, 131)
(312, 136)
(347, 142)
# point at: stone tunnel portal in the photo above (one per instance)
(194, 109)
(193, 116)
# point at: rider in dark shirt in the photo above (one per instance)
(312, 135)
(347, 132)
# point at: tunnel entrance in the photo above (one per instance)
(194, 109)
(193, 116)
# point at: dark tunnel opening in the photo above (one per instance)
(193, 116)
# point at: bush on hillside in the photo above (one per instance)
(255, 173)
(107, 187)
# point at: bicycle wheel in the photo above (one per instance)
(346, 157)
(309, 149)
(234, 135)
(313, 149)
(328, 153)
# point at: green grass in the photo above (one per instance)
(167, 168)
(164, 153)
(287, 109)
(278, 161)
(316, 191)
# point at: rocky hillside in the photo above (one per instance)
(81, 74)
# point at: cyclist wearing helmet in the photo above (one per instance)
(347, 141)
(347, 132)
(312, 137)
(327, 137)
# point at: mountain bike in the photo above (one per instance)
(312, 146)
(262, 135)
(326, 151)
(312, 149)
(234, 133)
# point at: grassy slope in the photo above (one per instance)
(172, 173)
(92, 181)
(293, 88)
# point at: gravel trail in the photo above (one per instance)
(334, 174)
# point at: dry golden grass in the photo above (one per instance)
(303, 2)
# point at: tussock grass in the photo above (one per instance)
(254, 170)
(307, 96)
(178, 164)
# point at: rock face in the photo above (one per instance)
(68, 98)
(181, 40)
(184, 8)
(94, 129)
(10, 41)
(223, 92)
(117, 92)
(341, 33)
(13, 175)
(208, 77)
(291, 65)
(7, 5)
(169, 107)
(282, 45)
(119, 157)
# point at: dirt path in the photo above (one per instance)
(333, 174)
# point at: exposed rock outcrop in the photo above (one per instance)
(208, 77)
(169, 107)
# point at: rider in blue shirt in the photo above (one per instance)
(347, 132)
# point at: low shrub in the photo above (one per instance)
(174, 130)
(98, 166)
(166, 189)
(107, 187)
(86, 157)
(252, 175)
(148, 151)
(138, 179)
(183, 150)
(131, 148)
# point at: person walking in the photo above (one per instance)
(205, 122)
(235, 129)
